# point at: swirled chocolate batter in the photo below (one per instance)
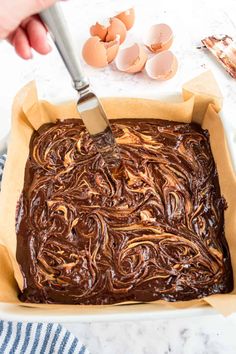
(85, 237)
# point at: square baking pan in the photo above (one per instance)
(25, 312)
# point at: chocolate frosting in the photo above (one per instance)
(85, 236)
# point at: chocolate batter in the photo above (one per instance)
(86, 237)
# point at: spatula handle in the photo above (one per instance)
(55, 21)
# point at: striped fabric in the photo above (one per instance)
(38, 338)
(2, 162)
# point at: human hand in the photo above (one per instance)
(22, 28)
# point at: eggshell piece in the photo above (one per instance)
(116, 28)
(109, 33)
(99, 30)
(99, 54)
(163, 66)
(131, 59)
(127, 17)
(159, 38)
(112, 49)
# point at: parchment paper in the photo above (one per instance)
(202, 102)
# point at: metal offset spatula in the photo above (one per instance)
(89, 106)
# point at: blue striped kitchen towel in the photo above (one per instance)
(2, 162)
(36, 338)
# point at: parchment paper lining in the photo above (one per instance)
(29, 113)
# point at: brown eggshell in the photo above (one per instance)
(127, 17)
(109, 32)
(159, 38)
(99, 54)
(99, 30)
(131, 59)
(163, 66)
(112, 49)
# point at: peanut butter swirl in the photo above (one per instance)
(87, 237)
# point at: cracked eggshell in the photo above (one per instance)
(99, 54)
(127, 17)
(112, 48)
(159, 38)
(100, 30)
(131, 59)
(163, 66)
(108, 31)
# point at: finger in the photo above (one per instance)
(37, 35)
(14, 12)
(20, 41)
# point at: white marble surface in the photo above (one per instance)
(191, 20)
(197, 335)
